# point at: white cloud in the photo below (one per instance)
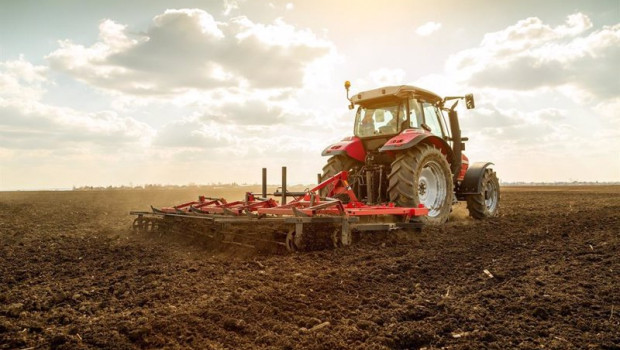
(34, 125)
(193, 133)
(229, 6)
(531, 55)
(428, 28)
(575, 24)
(28, 123)
(249, 112)
(188, 49)
(22, 80)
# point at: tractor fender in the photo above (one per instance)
(472, 183)
(411, 137)
(351, 146)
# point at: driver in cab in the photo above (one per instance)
(367, 128)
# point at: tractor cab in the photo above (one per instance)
(390, 110)
(391, 118)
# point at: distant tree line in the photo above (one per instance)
(234, 185)
(153, 187)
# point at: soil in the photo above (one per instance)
(544, 274)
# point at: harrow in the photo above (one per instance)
(257, 220)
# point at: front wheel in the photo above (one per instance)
(486, 203)
(422, 175)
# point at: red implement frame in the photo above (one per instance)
(340, 207)
(337, 186)
(207, 205)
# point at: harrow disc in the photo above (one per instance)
(137, 224)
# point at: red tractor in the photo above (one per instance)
(404, 152)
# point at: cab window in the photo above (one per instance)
(416, 113)
(432, 119)
(379, 120)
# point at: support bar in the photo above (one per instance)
(284, 193)
(264, 183)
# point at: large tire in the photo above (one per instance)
(422, 175)
(485, 204)
(335, 165)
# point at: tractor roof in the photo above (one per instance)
(387, 93)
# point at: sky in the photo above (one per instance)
(110, 93)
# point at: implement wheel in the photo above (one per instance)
(422, 175)
(485, 204)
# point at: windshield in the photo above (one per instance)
(379, 120)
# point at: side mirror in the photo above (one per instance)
(469, 101)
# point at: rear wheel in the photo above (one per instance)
(485, 204)
(422, 175)
(335, 165)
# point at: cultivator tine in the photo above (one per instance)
(290, 241)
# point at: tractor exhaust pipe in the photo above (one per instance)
(457, 141)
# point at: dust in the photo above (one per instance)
(460, 213)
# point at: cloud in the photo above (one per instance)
(249, 112)
(21, 79)
(428, 28)
(26, 123)
(193, 133)
(188, 49)
(530, 55)
(229, 6)
(513, 125)
(221, 126)
(34, 125)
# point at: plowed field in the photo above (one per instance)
(73, 276)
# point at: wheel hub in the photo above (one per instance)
(422, 188)
(432, 189)
(490, 196)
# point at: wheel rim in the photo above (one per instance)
(432, 188)
(491, 196)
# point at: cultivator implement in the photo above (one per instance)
(306, 222)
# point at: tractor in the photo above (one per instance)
(403, 152)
